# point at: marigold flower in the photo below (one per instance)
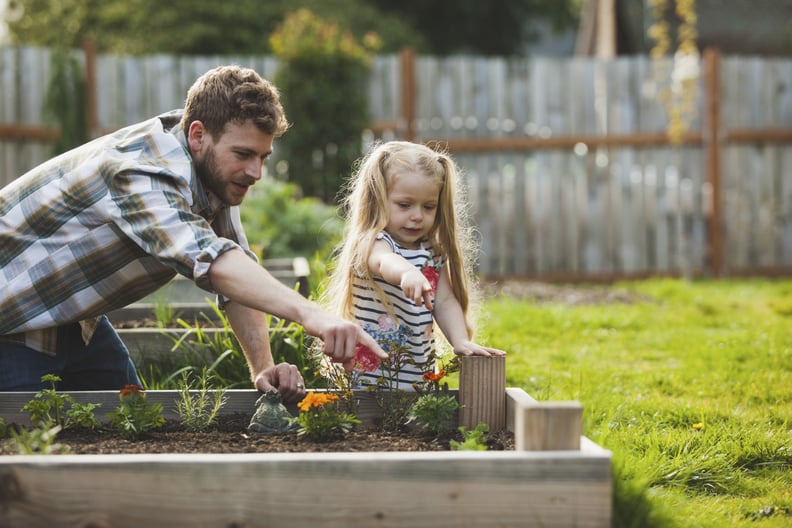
(315, 399)
(130, 390)
(430, 377)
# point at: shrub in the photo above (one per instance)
(322, 78)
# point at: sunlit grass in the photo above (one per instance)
(690, 386)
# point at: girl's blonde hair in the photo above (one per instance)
(365, 209)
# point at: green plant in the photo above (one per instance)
(475, 440)
(3, 428)
(163, 311)
(37, 441)
(434, 410)
(221, 356)
(65, 103)
(198, 411)
(48, 407)
(322, 77)
(320, 419)
(135, 415)
(280, 222)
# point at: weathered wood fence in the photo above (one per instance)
(569, 170)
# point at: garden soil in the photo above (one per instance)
(230, 436)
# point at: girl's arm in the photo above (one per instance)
(449, 316)
(396, 270)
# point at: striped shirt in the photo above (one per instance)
(409, 338)
(102, 226)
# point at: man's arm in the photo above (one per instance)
(244, 281)
(252, 332)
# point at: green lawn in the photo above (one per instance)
(690, 388)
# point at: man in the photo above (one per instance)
(109, 222)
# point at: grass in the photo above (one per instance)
(690, 387)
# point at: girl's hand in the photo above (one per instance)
(416, 288)
(469, 348)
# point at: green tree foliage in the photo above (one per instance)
(495, 27)
(189, 27)
(244, 26)
(321, 76)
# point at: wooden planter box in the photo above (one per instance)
(566, 483)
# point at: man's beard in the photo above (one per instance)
(209, 173)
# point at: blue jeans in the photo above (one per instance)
(102, 364)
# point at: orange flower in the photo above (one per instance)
(431, 377)
(316, 399)
(130, 390)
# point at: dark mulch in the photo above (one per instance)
(231, 436)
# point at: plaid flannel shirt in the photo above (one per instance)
(104, 225)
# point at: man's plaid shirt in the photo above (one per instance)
(104, 225)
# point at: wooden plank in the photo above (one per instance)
(548, 426)
(482, 388)
(238, 401)
(349, 490)
(450, 488)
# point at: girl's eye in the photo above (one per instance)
(404, 205)
(430, 207)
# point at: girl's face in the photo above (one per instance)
(412, 208)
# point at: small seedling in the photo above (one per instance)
(475, 440)
(48, 407)
(198, 411)
(135, 415)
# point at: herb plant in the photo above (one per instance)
(475, 440)
(198, 411)
(48, 407)
(135, 415)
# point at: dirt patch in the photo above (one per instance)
(231, 436)
(564, 293)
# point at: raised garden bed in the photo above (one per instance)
(566, 483)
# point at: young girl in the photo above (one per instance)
(405, 260)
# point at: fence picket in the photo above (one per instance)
(589, 210)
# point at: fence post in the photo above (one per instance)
(407, 58)
(712, 142)
(482, 392)
(91, 104)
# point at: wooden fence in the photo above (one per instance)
(568, 167)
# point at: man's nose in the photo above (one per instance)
(254, 169)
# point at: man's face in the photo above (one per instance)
(233, 163)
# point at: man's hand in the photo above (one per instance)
(340, 338)
(284, 378)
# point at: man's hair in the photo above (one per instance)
(234, 94)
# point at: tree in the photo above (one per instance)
(495, 27)
(189, 27)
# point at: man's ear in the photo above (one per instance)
(196, 135)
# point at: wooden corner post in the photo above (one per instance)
(548, 426)
(482, 392)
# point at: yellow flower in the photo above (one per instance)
(698, 426)
(315, 399)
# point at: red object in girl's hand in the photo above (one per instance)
(432, 276)
(365, 359)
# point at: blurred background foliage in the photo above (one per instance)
(496, 27)
(324, 47)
